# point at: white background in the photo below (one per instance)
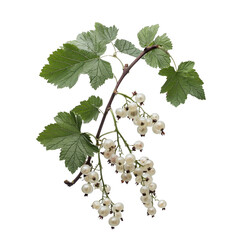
(197, 161)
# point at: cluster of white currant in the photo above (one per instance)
(134, 111)
(141, 169)
(105, 206)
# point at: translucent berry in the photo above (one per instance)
(152, 186)
(121, 112)
(132, 106)
(93, 177)
(85, 169)
(142, 130)
(130, 158)
(139, 145)
(103, 211)
(106, 201)
(114, 221)
(162, 203)
(155, 117)
(118, 207)
(87, 188)
(96, 205)
(140, 98)
(151, 211)
(108, 143)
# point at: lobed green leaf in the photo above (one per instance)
(127, 47)
(66, 135)
(182, 82)
(89, 109)
(147, 34)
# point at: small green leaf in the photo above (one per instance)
(90, 42)
(163, 41)
(127, 47)
(147, 34)
(67, 63)
(106, 34)
(158, 58)
(66, 135)
(98, 71)
(182, 82)
(89, 110)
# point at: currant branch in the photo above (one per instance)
(126, 70)
(85, 56)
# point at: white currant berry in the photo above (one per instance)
(118, 214)
(132, 106)
(152, 186)
(85, 169)
(149, 122)
(132, 114)
(113, 158)
(107, 154)
(142, 122)
(118, 207)
(87, 188)
(129, 167)
(126, 177)
(152, 171)
(130, 158)
(149, 164)
(146, 175)
(120, 168)
(143, 160)
(108, 143)
(140, 98)
(159, 125)
(86, 178)
(121, 112)
(93, 177)
(106, 201)
(162, 203)
(107, 188)
(151, 211)
(114, 221)
(155, 130)
(96, 205)
(155, 117)
(147, 178)
(148, 204)
(103, 211)
(138, 172)
(144, 190)
(120, 161)
(146, 199)
(138, 145)
(136, 120)
(138, 179)
(142, 130)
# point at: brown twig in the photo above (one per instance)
(126, 70)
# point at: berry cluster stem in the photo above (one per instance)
(126, 70)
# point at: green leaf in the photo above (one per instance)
(163, 41)
(98, 71)
(66, 135)
(106, 34)
(127, 47)
(90, 42)
(89, 110)
(158, 58)
(147, 34)
(182, 82)
(68, 62)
